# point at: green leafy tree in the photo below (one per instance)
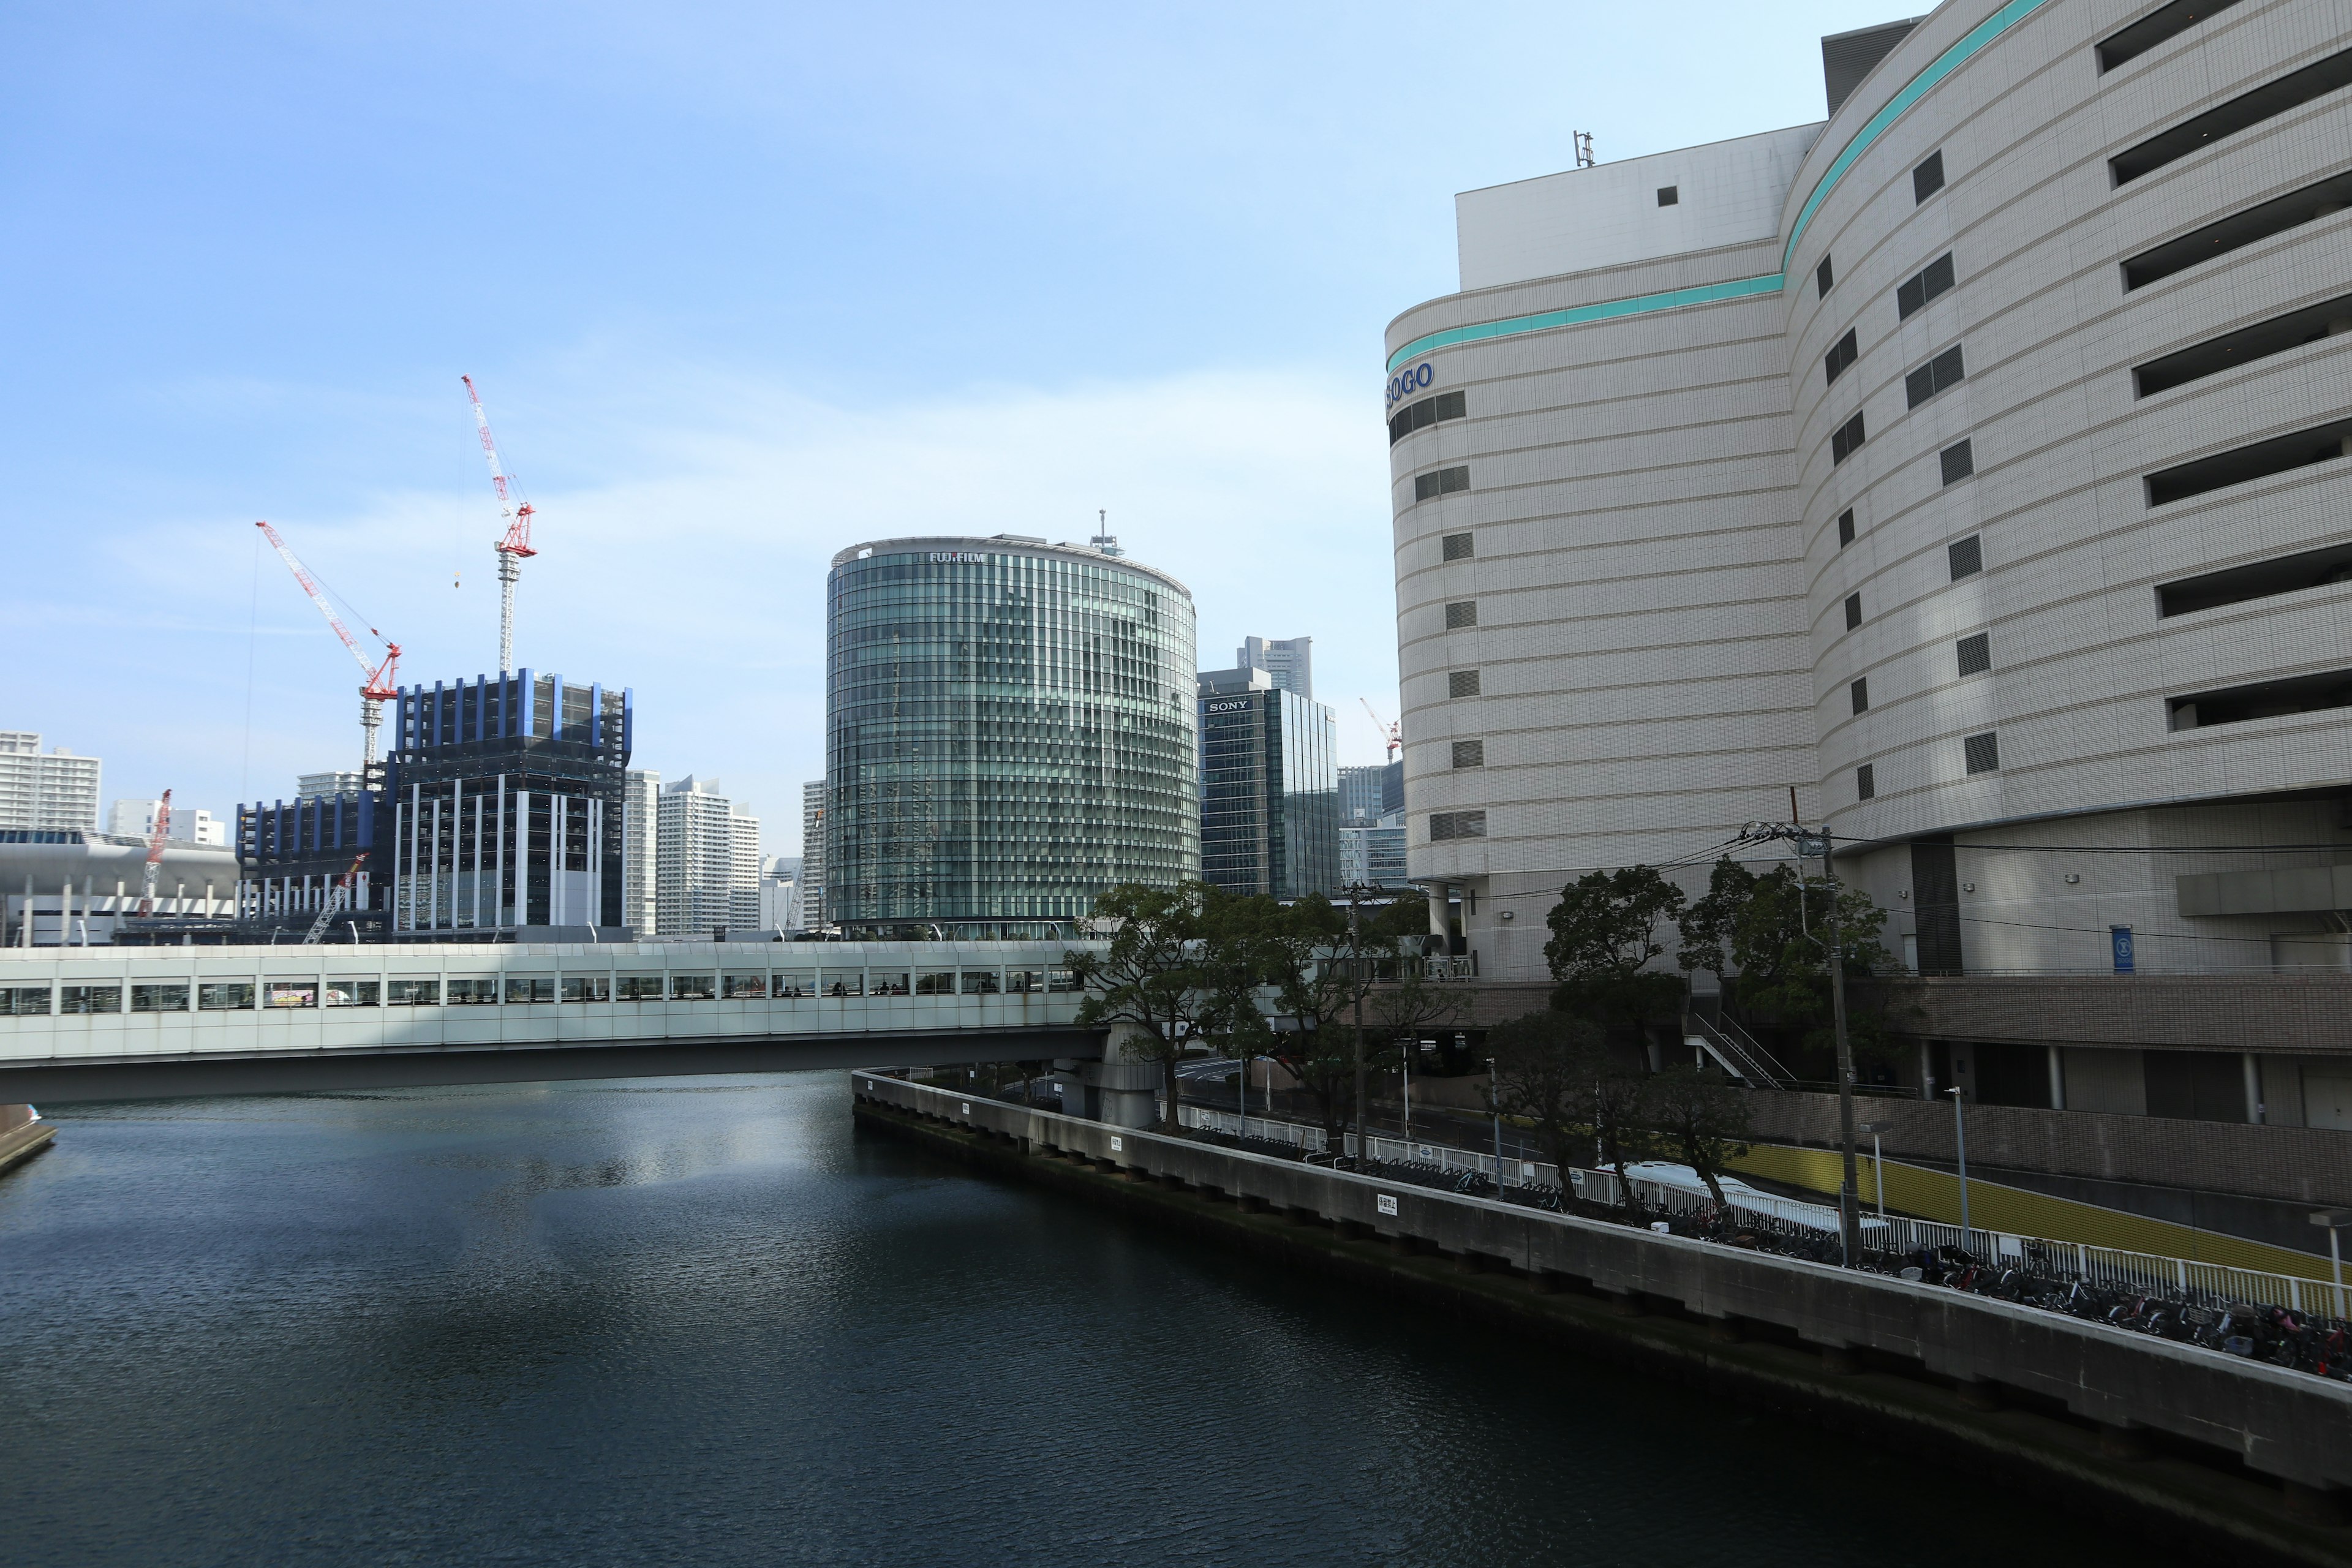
(1619, 1111)
(1544, 1066)
(1555, 1070)
(1314, 974)
(1159, 976)
(1606, 931)
(1767, 935)
(1698, 1115)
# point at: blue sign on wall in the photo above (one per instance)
(2122, 938)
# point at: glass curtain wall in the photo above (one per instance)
(1009, 733)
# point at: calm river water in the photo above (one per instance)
(705, 1321)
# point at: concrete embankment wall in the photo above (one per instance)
(21, 1137)
(2253, 1458)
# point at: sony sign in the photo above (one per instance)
(1241, 705)
(959, 555)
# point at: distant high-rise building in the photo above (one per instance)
(318, 786)
(51, 790)
(1370, 792)
(704, 878)
(780, 902)
(1289, 660)
(505, 794)
(640, 850)
(812, 876)
(191, 825)
(1009, 735)
(1269, 787)
(744, 882)
(1372, 852)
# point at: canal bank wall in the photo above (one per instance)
(2251, 1460)
(21, 1137)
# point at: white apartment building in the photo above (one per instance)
(780, 902)
(45, 791)
(329, 784)
(745, 870)
(1972, 463)
(812, 876)
(192, 824)
(706, 861)
(640, 850)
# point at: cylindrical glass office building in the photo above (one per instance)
(1008, 732)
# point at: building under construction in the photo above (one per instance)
(294, 855)
(504, 800)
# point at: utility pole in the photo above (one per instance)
(1850, 1186)
(1356, 981)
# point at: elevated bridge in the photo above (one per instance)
(140, 1023)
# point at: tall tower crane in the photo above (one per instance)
(516, 545)
(1390, 733)
(162, 831)
(381, 679)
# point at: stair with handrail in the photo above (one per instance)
(1736, 1052)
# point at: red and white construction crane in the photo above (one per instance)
(336, 901)
(154, 856)
(382, 680)
(1390, 734)
(516, 545)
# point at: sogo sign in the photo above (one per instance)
(1405, 383)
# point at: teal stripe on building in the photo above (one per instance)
(1951, 59)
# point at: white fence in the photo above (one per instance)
(2099, 1266)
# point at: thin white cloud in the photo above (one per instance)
(695, 574)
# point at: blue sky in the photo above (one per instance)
(740, 286)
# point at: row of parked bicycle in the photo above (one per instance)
(2301, 1341)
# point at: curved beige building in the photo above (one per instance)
(1970, 463)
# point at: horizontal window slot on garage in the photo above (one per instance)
(2165, 22)
(1428, 411)
(2262, 580)
(2263, 699)
(2243, 112)
(1913, 293)
(1842, 354)
(1946, 369)
(1845, 440)
(1445, 825)
(2240, 229)
(2280, 455)
(2245, 345)
(1443, 482)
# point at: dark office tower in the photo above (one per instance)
(505, 794)
(1269, 788)
(1009, 733)
(1370, 792)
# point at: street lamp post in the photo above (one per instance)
(2334, 1220)
(1877, 1161)
(1960, 1137)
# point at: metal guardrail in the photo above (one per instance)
(2113, 1268)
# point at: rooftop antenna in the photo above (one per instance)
(1583, 149)
(1104, 540)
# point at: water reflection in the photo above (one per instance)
(705, 1322)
